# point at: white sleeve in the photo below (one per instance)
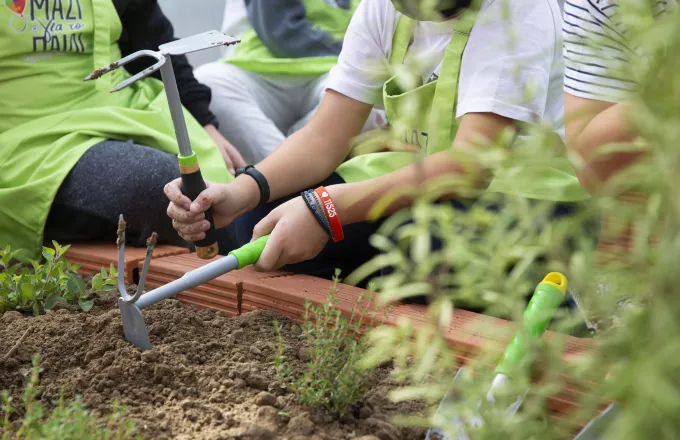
(508, 58)
(596, 52)
(362, 67)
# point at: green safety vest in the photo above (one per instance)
(250, 54)
(49, 116)
(426, 117)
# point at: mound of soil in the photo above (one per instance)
(207, 376)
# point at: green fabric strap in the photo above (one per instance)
(102, 14)
(401, 39)
(445, 102)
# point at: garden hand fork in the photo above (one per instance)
(192, 180)
(131, 305)
(546, 299)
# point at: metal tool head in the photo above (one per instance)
(206, 40)
(597, 427)
(133, 321)
(470, 421)
(120, 242)
(447, 407)
(133, 325)
(182, 46)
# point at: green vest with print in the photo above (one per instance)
(250, 54)
(425, 116)
(50, 116)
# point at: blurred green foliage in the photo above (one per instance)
(491, 259)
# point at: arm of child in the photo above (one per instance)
(592, 124)
(597, 86)
(354, 201)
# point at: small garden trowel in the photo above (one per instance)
(131, 305)
(547, 298)
(192, 180)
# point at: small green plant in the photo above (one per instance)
(64, 422)
(333, 379)
(39, 286)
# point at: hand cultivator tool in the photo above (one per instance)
(192, 180)
(596, 428)
(131, 305)
(547, 297)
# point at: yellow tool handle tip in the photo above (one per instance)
(556, 279)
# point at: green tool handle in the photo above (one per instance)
(192, 185)
(547, 297)
(250, 253)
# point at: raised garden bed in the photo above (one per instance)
(208, 376)
(212, 371)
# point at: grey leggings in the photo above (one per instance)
(114, 178)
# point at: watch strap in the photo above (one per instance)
(259, 179)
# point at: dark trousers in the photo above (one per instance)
(113, 178)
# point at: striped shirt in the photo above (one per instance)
(597, 53)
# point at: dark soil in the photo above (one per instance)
(207, 376)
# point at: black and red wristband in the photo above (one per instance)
(331, 213)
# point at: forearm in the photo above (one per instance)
(302, 160)
(311, 154)
(610, 126)
(355, 201)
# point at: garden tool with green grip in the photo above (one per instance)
(131, 305)
(192, 180)
(545, 300)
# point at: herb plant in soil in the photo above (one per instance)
(39, 286)
(332, 378)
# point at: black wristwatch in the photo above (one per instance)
(259, 179)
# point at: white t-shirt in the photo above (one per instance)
(596, 50)
(495, 72)
(234, 23)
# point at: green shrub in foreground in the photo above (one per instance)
(491, 259)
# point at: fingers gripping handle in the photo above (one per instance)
(546, 299)
(192, 185)
(250, 253)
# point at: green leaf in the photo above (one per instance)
(76, 284)
(48, 254)
(96, 282)
(86, 305)
(27, 291)
(53, 300)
